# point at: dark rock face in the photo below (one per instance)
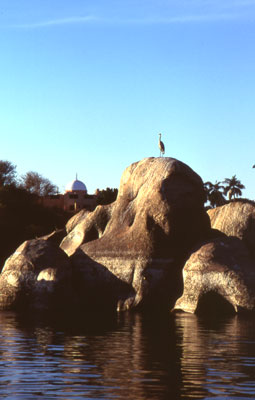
(144, 239)
(36, 276)
(55, 237)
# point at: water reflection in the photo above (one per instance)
(126, 356)
(214, 354)
(130, 361)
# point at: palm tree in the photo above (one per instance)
(233, 187)
(214, 192)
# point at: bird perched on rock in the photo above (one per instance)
(161, 146)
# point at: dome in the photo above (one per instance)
(76, 186)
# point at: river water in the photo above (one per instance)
(126, 356)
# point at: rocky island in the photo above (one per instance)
(156, 246)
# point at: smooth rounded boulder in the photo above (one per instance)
(37, 276)
(76, 219)
(236, 219)
(219, 272)
(86, 226)
(156, 219)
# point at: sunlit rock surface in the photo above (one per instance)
(124, 255)
(139, 254)
(220, 267)
(76, 219)
(86, 226)
(37, 275)
(236, 219)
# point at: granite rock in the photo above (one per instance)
(139, 254)
(37, 276)
(236, 219)
(220, 268)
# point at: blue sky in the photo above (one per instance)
(87, 85)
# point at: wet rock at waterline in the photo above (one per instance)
(157, 218)
(222, 272)
(37, 276)
(131, 253)
(124, 255)
(219, 272)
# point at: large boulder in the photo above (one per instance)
(86, 226)
(76, 219)
(219, 275)
(236, 219)
(136, 249)
(127, 254)
(37, 275)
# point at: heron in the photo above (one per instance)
(161, 146)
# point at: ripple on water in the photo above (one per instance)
(131, 356)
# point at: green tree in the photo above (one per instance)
(215, 193)
(7, 173)
(233, 187)
(107, 196)
(23, 218)
(37, 184)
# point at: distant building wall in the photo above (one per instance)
(56, 200)
(77, 200)
(71, 201)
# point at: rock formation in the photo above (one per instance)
(76, 219)
(155, 246)
(219, 268)
(37, 275)
(85, 227)
(223, 267)
(127, 254)
(236, 219)
(157, 217)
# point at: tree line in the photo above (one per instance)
(38, 185)
(22, 216)
(219, 193)
(31, 181)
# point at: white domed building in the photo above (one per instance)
(74, 199)
(76, 186)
